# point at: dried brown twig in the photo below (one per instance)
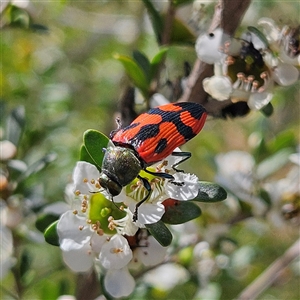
(269, 276)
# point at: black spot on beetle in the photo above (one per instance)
(161, 145)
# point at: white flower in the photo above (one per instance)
(256, 92)
(281, 41)
(167, 276)
(119, 282)
(209, 46)
(284, 192)
(115, 253)
(236, 173)
(149, 252)
(182, 187)
(74, 239)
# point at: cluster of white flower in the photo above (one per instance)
(99, 233)
(239, 174)
(247, 68)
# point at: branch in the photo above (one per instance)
(266, 279)
(223, 17)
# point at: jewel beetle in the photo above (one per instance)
(150, 138)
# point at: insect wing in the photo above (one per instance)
(155, 134)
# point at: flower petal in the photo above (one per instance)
(73, 231)
(219, 87)
(208, 46)
(115, 253)
(285, 74)
(188, 190)
(79, 260)
(149, 213)
(119, 283)
(258, 100)
(83, 176)
(151, 255)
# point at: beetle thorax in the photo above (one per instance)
(119, 167)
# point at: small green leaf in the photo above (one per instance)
(282, 140)
(181, 34)
(178, 212)
(15, 124)
(259, 34)
(94, 142)
(268, 110)
(39, 28)
(25, 262)
(143, 62)
(156, 20)
(273, 163)
(19, 17)
(210, 192)
(181, 2)
(38, 166)
(50, 234)
(84, 156)
(44, 220)
(156, 60)
(160, 232)
(135, 73)
(264, 195)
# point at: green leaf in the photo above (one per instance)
(143, 62)
(25, 263)
(160, 232)
(264, 195)
(19, 17)
(94, 142)
(156, 20)
(50, 234)
(267, 110)
(38, 166)
(282, 140)
(135, 73)
(178, 212)
(15, 124)
(210, 192)
(84, 156)
(156, 60)
(44, 220)
(181, 2)
(181, 34)
(259, 34)
(273, 163)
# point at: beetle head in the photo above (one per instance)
(110, 185)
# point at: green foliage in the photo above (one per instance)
(273, 163)
(156, 20)
(94, 142)
(210, 192)
(50, 234)
(160, 232)
(180, 212)
(15, 123)
(141, 70)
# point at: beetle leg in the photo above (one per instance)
(148, 188)
(185, 156)
(160, 174)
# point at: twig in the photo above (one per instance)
(223, 17)
(266, 279)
